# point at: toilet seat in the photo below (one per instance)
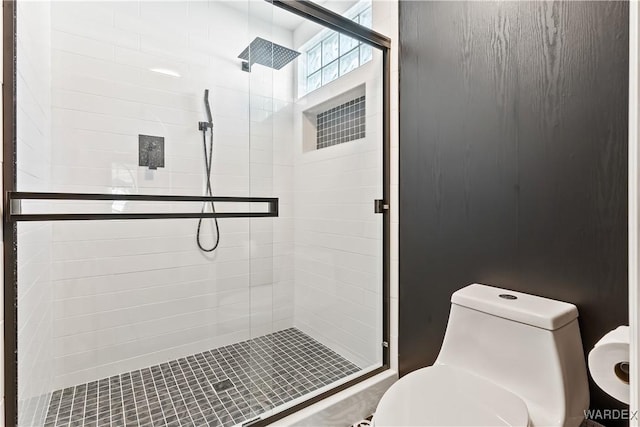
(445, 396)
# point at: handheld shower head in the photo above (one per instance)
(206, 103)
(208, 165)
(208, 124)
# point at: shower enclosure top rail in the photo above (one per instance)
(14, 199)
(327, 18)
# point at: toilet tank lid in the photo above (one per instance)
(524, 308)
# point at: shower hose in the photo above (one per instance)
(208, 157)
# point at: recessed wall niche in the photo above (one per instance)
(335, 121)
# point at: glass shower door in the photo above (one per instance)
(316, 282)
(196, 239)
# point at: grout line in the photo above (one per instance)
(158, 394)
(84, 403)
(189, 389)
(109, 397)
(166, 386)
(146, 396)
(179, 390)
(55, 419)
(73, 397)
(210, 386)
(135, 402)
(111, 394)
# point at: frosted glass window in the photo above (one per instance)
(366, 52)
(314, 61)
(349, 61)
(365, 18)
(330, 48)
(347, 44)
(330, 72)
(314, 81)
(333, 54)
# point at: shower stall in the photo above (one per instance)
(196, 209)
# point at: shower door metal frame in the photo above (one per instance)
(303, 8)
(9, 229)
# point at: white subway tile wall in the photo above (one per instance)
(130, 294)
(34, 240)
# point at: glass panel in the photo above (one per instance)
(349, 61)
(366, 52)
(365, 18)
(347, 43)
(264, 105)
(314, 59)
(274, 310)
(330, 72)
(329, 49)
(314, 81)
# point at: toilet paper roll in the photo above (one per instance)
(609, 363)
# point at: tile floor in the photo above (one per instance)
(220, 387)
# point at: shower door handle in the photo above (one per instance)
(379, 206)
(15, 205)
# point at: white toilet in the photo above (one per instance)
(508, 359)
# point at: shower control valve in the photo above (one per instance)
(151, 151)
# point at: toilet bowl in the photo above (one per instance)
(443, 396)
(508, 359)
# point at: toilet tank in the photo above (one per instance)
(529, 345)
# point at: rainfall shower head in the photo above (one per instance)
(266, 53)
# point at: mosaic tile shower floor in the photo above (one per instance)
(220, 387)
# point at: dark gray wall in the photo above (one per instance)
(513, 161)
